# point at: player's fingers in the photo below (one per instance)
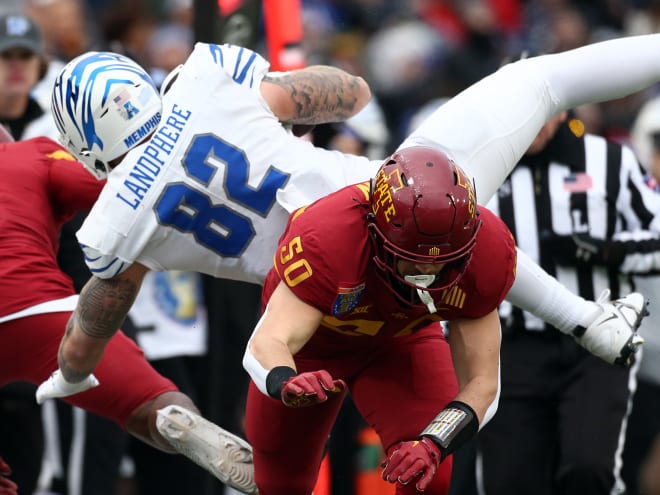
(337, 386)
(325, 379)
(412, 469)
(425, 479)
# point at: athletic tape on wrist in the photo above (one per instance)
(454, 426)
(276, 377)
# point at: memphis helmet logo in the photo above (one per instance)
(86, 86)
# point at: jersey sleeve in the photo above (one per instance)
(319, 255)
(243, 66)
(491, 271)
(102, 265)
(71, 187)
(299, 264)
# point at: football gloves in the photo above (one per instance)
(415, 459)
(310, 388)
(56, 386)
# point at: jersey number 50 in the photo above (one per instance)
(219, 227)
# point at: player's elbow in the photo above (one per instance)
(491, 403)
(362, 94)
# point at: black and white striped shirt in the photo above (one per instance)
(579, 184)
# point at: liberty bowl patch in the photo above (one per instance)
(347, 298)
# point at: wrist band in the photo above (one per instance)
(275, 378)
(454, 426)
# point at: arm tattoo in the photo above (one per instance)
(320, 94)
(103, 306)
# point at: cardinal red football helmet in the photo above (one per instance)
(423, 210)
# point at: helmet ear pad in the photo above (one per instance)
(423, 211)
(104, 104)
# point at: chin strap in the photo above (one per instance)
(422, 282)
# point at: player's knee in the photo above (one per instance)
(142, 421)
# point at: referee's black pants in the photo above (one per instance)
(558, 428)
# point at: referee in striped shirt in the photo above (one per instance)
(562, 411)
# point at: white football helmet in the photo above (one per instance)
(104, 104)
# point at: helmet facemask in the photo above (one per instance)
(423, 212)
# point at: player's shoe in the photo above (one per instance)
(227, 456)
(613, 336)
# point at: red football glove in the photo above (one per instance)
(312, 387)
(412, 459)
(7, 486)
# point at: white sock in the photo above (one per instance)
(534, 290)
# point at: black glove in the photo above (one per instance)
(582, 248)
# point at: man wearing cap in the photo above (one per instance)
(22, 64)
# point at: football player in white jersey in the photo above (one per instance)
(203, 178)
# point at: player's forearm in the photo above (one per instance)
(475, 350)
(320, 94)
(79, 354)
(480, 394)
(101, 310)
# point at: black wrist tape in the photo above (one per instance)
(455, 425)
(275, 378)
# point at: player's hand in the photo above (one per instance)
(582, 248)
(7, 486)
(413, 459)
(56, 386)
(312, 387)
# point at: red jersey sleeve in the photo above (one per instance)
(321, 253)
(71, 187)
(492, 268)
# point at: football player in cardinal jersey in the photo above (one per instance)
(42, 187)
(360, 278)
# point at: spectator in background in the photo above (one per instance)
(23, 62)
(167, 47)
(420, 73)
(67, 28)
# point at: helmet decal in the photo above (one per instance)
(463, 181)
(386, 185)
